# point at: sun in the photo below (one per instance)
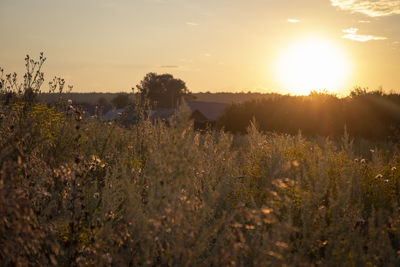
(312, 64)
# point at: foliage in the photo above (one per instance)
(33, 80)
(371, 115)
(103, 101)
(163, 91)
(120, 101)
(99, 194)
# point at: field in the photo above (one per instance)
(200, 133)
(76, 190)
(86, 192)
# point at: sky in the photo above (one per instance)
(212, 45)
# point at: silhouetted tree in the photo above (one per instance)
(120, 101)
(163, 91)
(103, 101)
(367, 114)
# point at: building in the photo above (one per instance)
(204, 114)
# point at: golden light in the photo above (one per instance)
(312, 64)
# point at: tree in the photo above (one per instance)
(120, 101)
(163, 91)
(103, 101)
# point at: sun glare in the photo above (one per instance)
(312, 64)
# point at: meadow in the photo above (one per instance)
(77, 191)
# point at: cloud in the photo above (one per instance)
(364, 21)
(351, 34)
(351, 30)
(293, 20)
(192, 23)
(372, 8)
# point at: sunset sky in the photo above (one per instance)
(213, 45)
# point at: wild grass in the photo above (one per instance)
(78, 192)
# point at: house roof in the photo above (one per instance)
(211, 110)
(113, 114)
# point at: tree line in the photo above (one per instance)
(367, 114)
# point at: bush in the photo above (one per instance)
(120, 101)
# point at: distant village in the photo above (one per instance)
(205, 108)
(204, 114)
